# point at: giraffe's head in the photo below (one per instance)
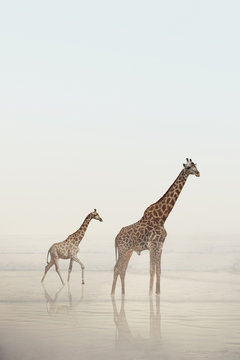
(96, 216)
(190, 168)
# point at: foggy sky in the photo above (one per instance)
(102, 101)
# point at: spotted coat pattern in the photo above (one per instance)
(69, 248)
(149, 233)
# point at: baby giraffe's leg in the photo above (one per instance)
(70, 269)
(57, 269)
(82, 266)
(47, 267)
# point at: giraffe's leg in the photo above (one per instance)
(158, 273)
(152, 272)
(69, 295)
(47, 267)
(115, 276)
(120, 269)
(82, 266)
(116, 271)
(124, 268)
(70, 269)
(56, 261)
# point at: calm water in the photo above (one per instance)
(197, 315)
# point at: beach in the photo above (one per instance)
(120, 136)
(195, 317)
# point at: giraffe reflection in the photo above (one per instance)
(125, 340)
(53, 306)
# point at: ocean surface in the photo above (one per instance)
(196, 316)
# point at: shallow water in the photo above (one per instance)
(196, 317)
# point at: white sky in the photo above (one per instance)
(102, 101)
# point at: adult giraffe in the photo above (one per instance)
(149, 232)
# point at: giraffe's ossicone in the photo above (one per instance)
(149, 233)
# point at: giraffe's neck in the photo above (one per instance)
(79, 234)
(159, 211)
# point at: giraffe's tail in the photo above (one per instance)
(116, 250)
(47, 256)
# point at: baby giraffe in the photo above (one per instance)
(68, 248)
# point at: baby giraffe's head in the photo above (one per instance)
(95, 215)
(191, 168)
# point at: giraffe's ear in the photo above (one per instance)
(184, 165)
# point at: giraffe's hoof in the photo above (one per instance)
(83, 282)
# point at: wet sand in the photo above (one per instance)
(196, 317)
